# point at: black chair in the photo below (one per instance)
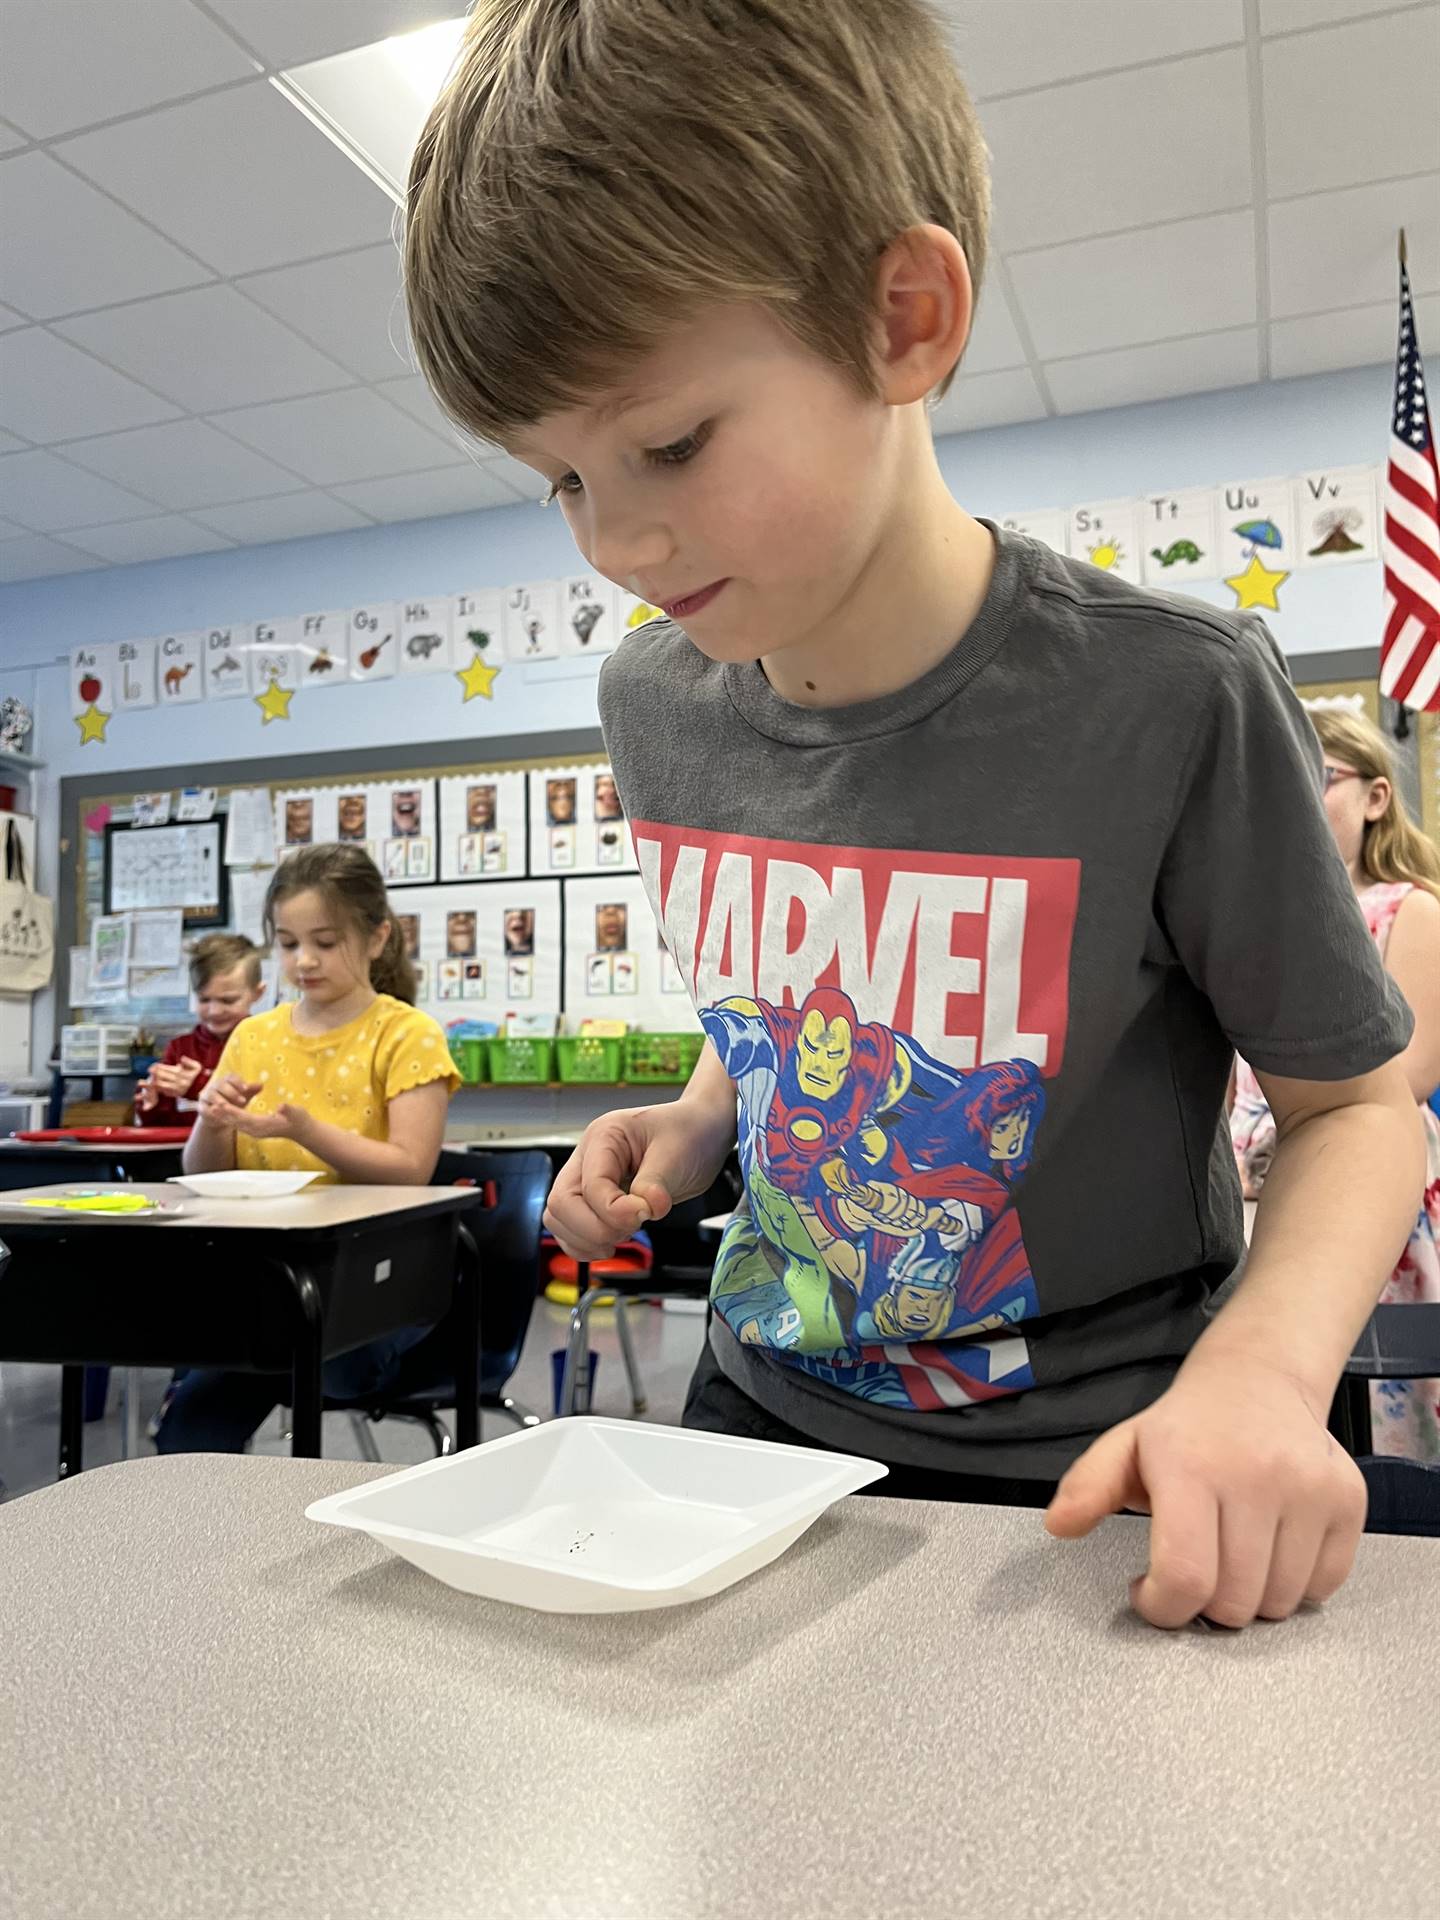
(507, 1233)
(1399, 1342)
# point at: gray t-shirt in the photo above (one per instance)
(976, 956)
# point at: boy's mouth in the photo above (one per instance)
(692, 602)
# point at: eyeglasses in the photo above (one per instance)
(1334, 775)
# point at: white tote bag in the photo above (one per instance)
(27, 925)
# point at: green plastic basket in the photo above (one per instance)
(662, 1059)
(588, 1059)
(522, 1063)
(471, 1057)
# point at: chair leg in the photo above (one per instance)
(522, 1416)
(439, 1433)
(638, 1402)
(575, 1392)
(363, 1427)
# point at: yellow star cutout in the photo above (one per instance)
(91, 724)
(274, 702)
(1258, 585)
(640, 614)
(477, 678)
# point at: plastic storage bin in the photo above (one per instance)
(522, 1063)
(588, 1059)
(471, 1055)
(662, 1059)
(96, 1049)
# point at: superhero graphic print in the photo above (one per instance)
(889, 1021)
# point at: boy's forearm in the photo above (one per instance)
(711, 1089)
(1337, 1206)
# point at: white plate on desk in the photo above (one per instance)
(599, 1516)
(244, 1184)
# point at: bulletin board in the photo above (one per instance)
(616, 965)
(1368, 690)
(440, 774)
(1429, 732)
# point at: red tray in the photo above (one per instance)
(112, 1136)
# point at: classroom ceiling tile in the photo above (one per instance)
(69, 63)
(414, 395)
(33, 557)
(292, 516)
(350, 305)
(422, 496)
(1338, 249)
(10, 137)
(10, 531)
(988, 400)
(9, 318)
(106, 255)
(1352, 103)
(332, 437)
(241, 178)
(1061, 41)
(47, 494)
(1197, 276)
(994, 340)
(1363, 337)
(10, 444)
(166, 537)
(1293, 16)
(206, 349)
(183, 465)
(285, 32)
(50, 390)
(1132, 375)
(1156, 144)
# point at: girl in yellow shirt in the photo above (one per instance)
(351, 1081)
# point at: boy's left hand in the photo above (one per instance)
(1255, 1508)
(285, 1123)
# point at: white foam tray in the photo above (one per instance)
(599, 1516)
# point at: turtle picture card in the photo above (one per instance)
(1178, 538)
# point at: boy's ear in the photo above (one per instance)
(924, 304)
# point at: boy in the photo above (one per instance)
(225, 974)
(701, 263)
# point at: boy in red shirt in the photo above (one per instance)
(225, 973)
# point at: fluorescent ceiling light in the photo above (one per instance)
(373, 101)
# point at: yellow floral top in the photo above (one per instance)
(348, 1076)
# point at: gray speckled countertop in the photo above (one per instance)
(214, 1707)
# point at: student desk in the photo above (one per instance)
(269, 1286)
(39, 1163)
(213, 1705)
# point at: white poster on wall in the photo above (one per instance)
(94, 678)
(226, 674)
(483, 822)
(1106, 533)
(180, 669)
(425, 635)
(577, 824)
(135, 679)
(1177, 533)
(484, 951)
(476, 619)
(304, 817)
(274, 655)
(324, 648)
(589, 615)
(1336, 522)
(616, 965)
(1255, 521)
(1050, 524)
(531, 621)
(371, 633)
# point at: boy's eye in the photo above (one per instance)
(678, 451)
(567, 483)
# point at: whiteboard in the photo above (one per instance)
(167, 867)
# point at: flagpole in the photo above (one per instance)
(1403, 261)
(1401, 728)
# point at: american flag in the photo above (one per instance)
(1410, 645)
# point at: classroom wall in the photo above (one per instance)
(1243, 434)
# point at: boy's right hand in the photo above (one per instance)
(175, 1078)
(223, 1099)
(633, 1166)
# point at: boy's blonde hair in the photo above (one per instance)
(220, 953)
(1394, 848)
(596, 170)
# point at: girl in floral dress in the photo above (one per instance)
(1395, 871)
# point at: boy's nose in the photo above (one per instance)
(623, 547)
